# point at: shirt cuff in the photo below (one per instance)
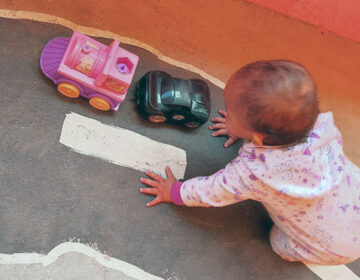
(175, 194)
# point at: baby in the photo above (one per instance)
(292, 162)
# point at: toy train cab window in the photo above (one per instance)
(90, 66)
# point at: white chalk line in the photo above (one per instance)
(333, 272)
(324, 272)
(72, 247)
(121, 146)
(92, 31)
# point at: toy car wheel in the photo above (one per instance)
(178, 117)
(192, 124)
(100, 103)
(69, 90)
(157, 118)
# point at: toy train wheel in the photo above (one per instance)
(69, 90)
(100, 103)
(157, 118)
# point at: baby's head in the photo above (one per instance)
(274, 102)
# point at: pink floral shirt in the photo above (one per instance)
(311, 190)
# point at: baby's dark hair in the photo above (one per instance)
(280, 99)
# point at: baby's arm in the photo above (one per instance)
(223, 188)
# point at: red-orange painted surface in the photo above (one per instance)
(339, 16)
(221, 36)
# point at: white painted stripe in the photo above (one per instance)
(92, 31)
(121, 146)
(333, 272)
(68, 247)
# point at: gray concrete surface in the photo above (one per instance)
(49, 193)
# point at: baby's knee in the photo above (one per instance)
(277, 237)
(280, 244)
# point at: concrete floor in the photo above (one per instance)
(50, 193)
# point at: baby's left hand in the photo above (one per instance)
(222, 129)
(161, 187)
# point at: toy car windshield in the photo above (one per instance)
(167, 91)
(176, 92)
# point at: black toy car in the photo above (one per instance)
(161, 98)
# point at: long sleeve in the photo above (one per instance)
(223, 188)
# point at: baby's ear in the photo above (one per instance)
(257, 139)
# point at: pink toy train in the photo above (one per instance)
(82, 66)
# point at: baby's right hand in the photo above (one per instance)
(222, 129)
(160, 187)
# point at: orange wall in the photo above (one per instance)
(339, 16)
(221, 36)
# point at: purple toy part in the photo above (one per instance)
(51, 57)
(49, 62)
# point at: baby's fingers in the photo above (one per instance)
(223, 113)
(154, 176)
(217, 126)
(168, 172)
(151, 191)
(155, 201)
(218, 120)
(149, 182)
(229, 142)
(220, 132)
